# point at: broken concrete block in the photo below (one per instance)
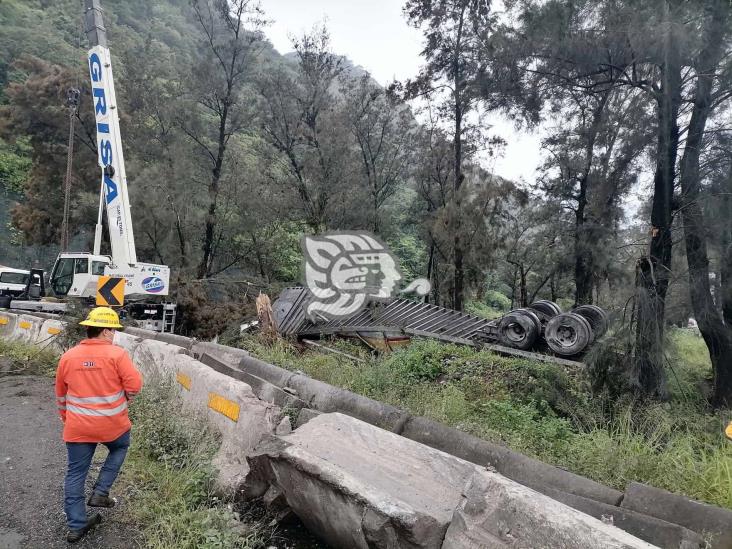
(284, 427)
(650, 529)
(498, 512)
(359, 486)
(305, 415)
(274, 500)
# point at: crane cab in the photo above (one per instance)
(76, 274)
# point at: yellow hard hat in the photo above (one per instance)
(102, 317)
(728, 431)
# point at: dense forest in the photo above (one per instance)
(235, 151)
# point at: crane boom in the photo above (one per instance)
(78, 274)
(109, 143)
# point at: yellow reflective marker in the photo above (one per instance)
(4, 320)
(224, 406)
(25, 325)
(184, 380)
(728, 431)
(54, 331)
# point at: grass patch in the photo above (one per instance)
(545, 410)
(169, 481)
(483, 310)
(18, 358)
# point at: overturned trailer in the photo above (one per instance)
(542, 327)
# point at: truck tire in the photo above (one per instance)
(5, 301)
(547, 308)
(519, 329)
(568, 334)
(595, 316)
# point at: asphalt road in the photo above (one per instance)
(32, 466)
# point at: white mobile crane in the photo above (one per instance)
(77, 274)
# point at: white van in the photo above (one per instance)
(13, 281)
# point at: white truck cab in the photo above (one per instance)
(13, 281)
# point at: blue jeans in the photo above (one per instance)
(80, 457)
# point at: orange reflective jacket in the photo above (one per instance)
(94, 381)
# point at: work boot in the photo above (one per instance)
(75, 535)
(97, 500)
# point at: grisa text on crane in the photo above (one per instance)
(99, 93)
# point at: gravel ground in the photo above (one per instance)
(32, 466)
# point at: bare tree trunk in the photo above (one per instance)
(584, 248)
(653, 272)
(725, 260)
(583, 264)
(717, 336)
(204, 268)
(430, 259)
(458, 259)
(524, 294)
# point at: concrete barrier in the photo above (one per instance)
(226, 354)
(235, 411)
(7, 324)
(326, 398)
(128, 341)
(269, 372)
(497, 512)
(48, 333)
(228, 404)
(263, 389)
(528, 471)
(27, 328)
(360, 486)
(708, 520)
(648, 528)
(243, 397)
(531, 472)
(173, 339)
(156, 358)
(138, 332)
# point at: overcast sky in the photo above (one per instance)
(375, 35)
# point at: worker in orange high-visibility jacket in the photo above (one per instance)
(94, 382)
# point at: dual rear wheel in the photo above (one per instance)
(520, 329)
(567, 334)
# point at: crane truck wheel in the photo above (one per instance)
(595, 316)
(568, 334)
(547, 308)
(5, 301)
(518, 329)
